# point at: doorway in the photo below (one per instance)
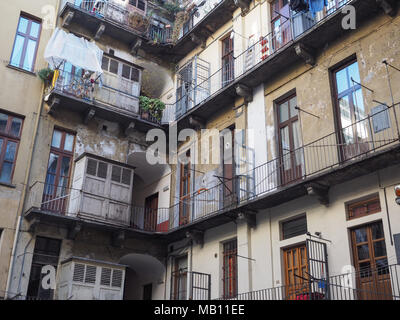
(150, 213)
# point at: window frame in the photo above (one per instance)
(366, 201)
(6, 136)
(230, 273)
(291, 219)
(26, 37)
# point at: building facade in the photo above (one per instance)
(281, 136)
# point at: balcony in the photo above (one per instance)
(190, 285)
(371, 144)
(376, 283)
(106, 97)
(264, 59)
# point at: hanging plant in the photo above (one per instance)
(46, 75)
(154, 107)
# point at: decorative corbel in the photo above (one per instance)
(135, 46)
(33, 225)
(130, 129)
(74, 230)
(89, 116)
(244, 5)
(245, 92)
(307, 54)
(320, 192)
(68, 18)
(100, 31)
(196, 122)
(118, 239)
(54, 103)
(198, 40)
(249, 217)
(389, 7)
(197, 236)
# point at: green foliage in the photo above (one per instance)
(46, 74)
(172, 7)
(155, 107)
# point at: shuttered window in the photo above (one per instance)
(294, 227)
(117, 278)
(121, 175)
(90, 275)
(97, 168)
(79, 272)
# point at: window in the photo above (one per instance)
(363, 208)
(184, 193)
(227, 61)
(294, 227)
(229, 269)
(46, 252)
(179, 278)
(26, 43)
(58, 171)
(10, 134)
(140, 4)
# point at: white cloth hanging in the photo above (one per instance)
(66, 47)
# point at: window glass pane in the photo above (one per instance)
(23, 25)
(353, 73)
(1, 144)
(17, 52)
(377, 231)
(365, 269)
(293, 104)
(10, 152)
(135, 75)
(361, 235)
(35, 27)
(380, 248)
(126, 71)
(141, 5)
(341, 80)
(283, 112)
(3, 122)
(65, 166)
(56, 142)
(29, 55)
(363, 252)
(285, 145)
(52, 167)
(16, 127)
(69, 142)
(114, 66)
(359, 109)
(6, 172)
(104, 63)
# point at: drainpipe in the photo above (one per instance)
(19, 219)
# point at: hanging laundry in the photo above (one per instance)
(298, 5)
(317, 6)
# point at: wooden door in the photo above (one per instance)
(296, 272)
(228, 72)
(184, 195)
(56, 189)
(350, 112)
(228, 165)
(281, 31)
(150, 213)
(370, 260)
(290, 154)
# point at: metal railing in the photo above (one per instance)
(91, 90)
(190, 285)
(355, 142)
(374, 283)
(266, 46)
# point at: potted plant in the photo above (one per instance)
(46, 75)
(151, 108)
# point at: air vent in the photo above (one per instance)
(79, 271)
(105, 276)
(117, 278)
(90, 276)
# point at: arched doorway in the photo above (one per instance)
(144, 278)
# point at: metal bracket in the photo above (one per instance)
(68, 18)
(100, 31)
(245, 92)
(307, 54)
(319, 191)
(74, 230)
(197, 236)
(389, 7)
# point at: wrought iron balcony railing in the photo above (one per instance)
(374, 283)
(190, 285)
(283, 35)
(120, 99)
(372, 135)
